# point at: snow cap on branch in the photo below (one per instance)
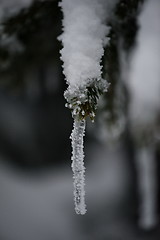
(83, 40)
(84, 37)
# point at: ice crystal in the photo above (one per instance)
(83, 39)
(78, 165)
(83, 101)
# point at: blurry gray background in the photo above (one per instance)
(36, 199)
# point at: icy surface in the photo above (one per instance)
(78, 166)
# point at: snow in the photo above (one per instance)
(78, 166)
(83, 40)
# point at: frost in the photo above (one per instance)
(84, 37)
(78, 166)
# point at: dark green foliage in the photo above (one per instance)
(83, 103)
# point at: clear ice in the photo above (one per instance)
(78, 165)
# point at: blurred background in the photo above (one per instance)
(121, 147)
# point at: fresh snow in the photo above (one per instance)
(83, 39)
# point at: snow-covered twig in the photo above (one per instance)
(83, 39)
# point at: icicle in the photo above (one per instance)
(78, 165)
(146, 171)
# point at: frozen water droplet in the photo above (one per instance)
(78, 165)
